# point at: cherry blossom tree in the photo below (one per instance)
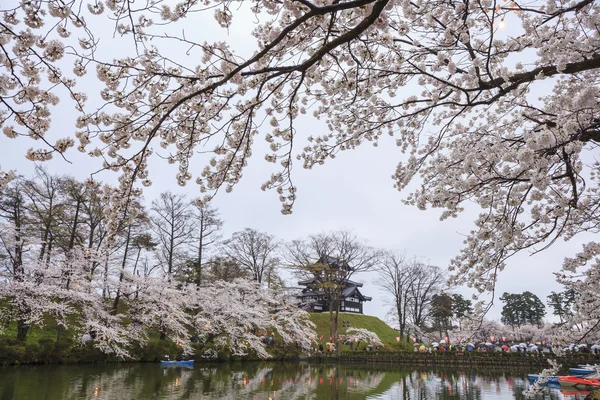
(580, 277)
(55, 232)
(235, 315)
(40, 294)
(5, 178)
(361, 335)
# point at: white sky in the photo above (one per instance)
(354, 191)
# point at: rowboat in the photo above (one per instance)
(535, 378)
(581, 371)
(589, 366)
(188, 363)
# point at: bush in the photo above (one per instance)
(11, 351)
(155, 349)
(31, 353)
(88, 353)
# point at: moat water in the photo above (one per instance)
(267, 381)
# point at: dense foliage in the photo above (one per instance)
(522, 309)
(63, 266)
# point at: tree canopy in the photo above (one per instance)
(521, 309)
(61, 266)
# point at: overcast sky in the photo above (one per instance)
(354, 191)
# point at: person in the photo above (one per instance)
(167, 358)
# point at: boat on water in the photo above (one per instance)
(534, 378)
(581, 371)
(578, 382)
(187, 363)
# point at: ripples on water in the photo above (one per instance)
(266, 381)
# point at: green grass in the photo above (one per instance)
(386, 334)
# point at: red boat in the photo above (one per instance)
(574, 381)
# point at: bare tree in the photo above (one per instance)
(328, 261)
(428, 281)
(46, 194)
(172, 224)
(225, 269)
(208, 224)
(254, 250)
(272, 277)
(396, 279)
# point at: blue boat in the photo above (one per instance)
(551, 379)
(581, 371)
(188, 363)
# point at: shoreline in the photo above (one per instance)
(397, 358)
(458, 359)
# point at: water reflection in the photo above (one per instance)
(266, 381)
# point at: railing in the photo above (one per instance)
(456, 358)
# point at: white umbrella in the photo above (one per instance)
(442, 341)
(595, 347)
(470, 344)
(522, 345)
(488, 344)
(533, 347)
(514, 348)
(435, 344)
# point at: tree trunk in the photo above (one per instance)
(335, 327)
(170, 259)
(334, 309)
(105, 283)
(19, 271)
(72, 239)
(22, 329)
(198, 279)
(49, 251)
(115, 307)
(331, 322)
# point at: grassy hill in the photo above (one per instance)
(386, 334)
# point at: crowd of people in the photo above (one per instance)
(538, 347)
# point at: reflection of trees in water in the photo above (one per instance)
(427, 385)
(440, 384)
(521, 385)
(265, 380)
(130, 381)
